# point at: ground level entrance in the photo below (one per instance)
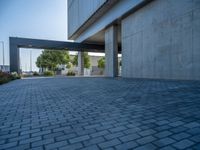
(16, 43)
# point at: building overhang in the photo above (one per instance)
(56, 45)
(113, 15)
(98, 14)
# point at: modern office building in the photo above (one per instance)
(157, 38)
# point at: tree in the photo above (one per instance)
(50, 59)
(101, 63)
(86, 60)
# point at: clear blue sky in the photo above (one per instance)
(41, 19)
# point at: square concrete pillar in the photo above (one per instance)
(111, 51)
(80, 63)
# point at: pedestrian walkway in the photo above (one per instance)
(99, 113)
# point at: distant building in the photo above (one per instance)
(4, 68)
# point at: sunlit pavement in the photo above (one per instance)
(99, 113)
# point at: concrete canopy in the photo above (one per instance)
(16, 43)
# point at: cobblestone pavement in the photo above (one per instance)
(99, 113)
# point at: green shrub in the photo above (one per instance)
(48, 73)
(6, 77)
(101, 63)
(35, 73)
(71, 73)
(4, 80)
(15, 75)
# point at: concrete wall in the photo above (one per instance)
(162, 40)
(79, 11)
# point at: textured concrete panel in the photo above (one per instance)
(79, 11)
(80, 63)
(164, 41)
(111, 52)
(196, 43)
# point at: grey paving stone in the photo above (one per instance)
(18, 138)
(194, 131)
(56, 145)
(2, 142)
(41, 133)
(61, 129)
(7, 136)
(180, 136)
(163, 134)
(93, 147)
(30, 140)
(72, 146)
(113, 112)
(147, 132)
(146, 139)
(8, 145)
(126, 146)
(53, 135)
(164, 142)
(100, 133)
(117, 129)
(168, 148)
(109, 148)
(110, 143)
(42, 142)
(162, 122)
(20, 147)
(197, 147)
(79, 139)
(178, 129)
(92, 126)
(37, 148)
(104, 127)
(29, 131)
(196, 138)
(192, 125)
(93, 141)
(183, 144)
(177, 123)
(146, 147)
(66, 137)
(113, 135)
(129, 137)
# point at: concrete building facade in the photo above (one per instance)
(157, 38)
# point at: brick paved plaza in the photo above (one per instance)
(99, 113)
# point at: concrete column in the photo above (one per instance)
(80, 63)
(14, 58)
(111, 52)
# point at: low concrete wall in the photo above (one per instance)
(162, 40)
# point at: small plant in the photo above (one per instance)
(71, 73)
(35, 73)
(69, 65)
(15, 75)
(6, 77)
(48, 73)
(101, 63)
